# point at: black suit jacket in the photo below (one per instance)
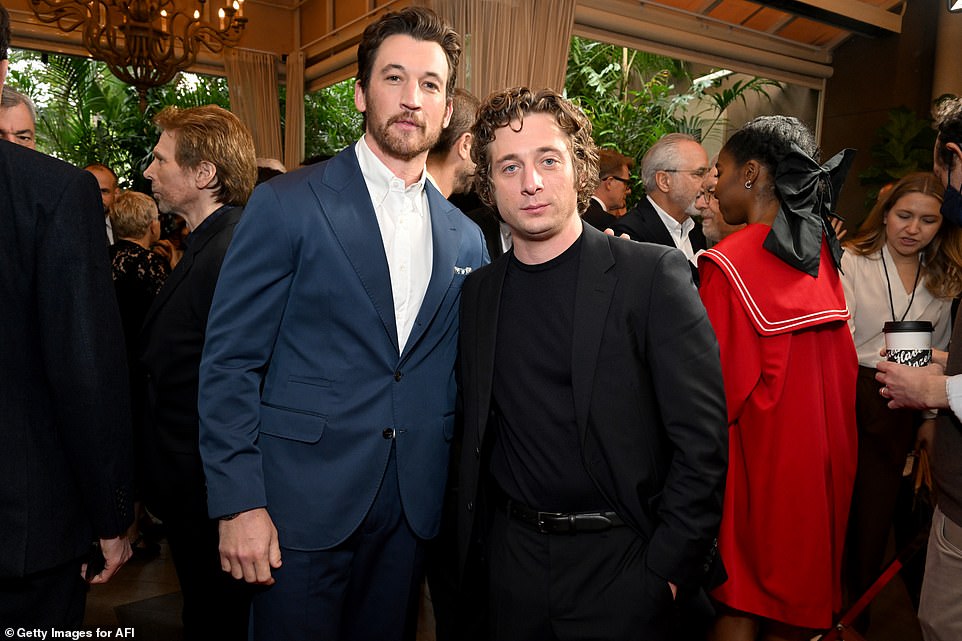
(65, 453)
(643, 224)
(598, 217)
(648, 394)
(172, 341)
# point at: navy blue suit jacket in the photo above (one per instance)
(303, 390)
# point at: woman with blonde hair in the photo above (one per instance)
(903, 265)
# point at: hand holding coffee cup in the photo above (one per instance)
(908, 342)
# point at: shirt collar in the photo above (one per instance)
(675, 227)
(204, 224)
(600, 202)
(380, 180)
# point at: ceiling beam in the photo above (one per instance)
(859, 17)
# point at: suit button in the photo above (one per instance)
(477, 452)
(470, 506)
(397, 375)
(388, 433)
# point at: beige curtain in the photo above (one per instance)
(511, 42)
(252, 83)
(294, 117)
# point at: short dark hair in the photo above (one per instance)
(216, 135)
(464, 109)
(948, 122)
(503, 107)
(419, 23)
(4, 32)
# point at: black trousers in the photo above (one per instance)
(53, 598)
(574, 587)
(885, 437)
(216, 606)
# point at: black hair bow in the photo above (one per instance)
(808, 194)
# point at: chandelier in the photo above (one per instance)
(145, 43)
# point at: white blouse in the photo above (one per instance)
(867, 296)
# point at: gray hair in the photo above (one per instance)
(11, 98)
(662, 155)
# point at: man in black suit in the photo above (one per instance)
(614, 185)
(594, 459)
(672, 171)
(203, 170)
(65, 458)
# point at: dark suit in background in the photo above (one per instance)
(64, 404)
(653, 434)
(643, 224)
(215, 605)
(597, 216)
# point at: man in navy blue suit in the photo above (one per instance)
(327, 382)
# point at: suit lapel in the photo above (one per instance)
(486, 321)
(346, 203)
(446, 239)
(593, 294)
(659, 233)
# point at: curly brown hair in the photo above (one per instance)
(942, 258)
(503, 108)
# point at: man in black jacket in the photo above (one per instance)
(672, 171)
(64, 407)
(593, 460)
(203, 170)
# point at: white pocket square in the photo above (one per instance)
(462, 271)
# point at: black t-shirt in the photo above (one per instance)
(536, 457)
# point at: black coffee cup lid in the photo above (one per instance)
(907, 326)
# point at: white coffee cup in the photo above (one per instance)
(908, 342)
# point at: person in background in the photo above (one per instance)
(203, 171)
(713, 224)
(614, 185)
(672, 171)
(18, 118)
(65, 459)
(267, 168)
(775, 300)
(109, 188)
(939, 386)
(905, 264)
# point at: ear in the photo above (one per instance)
(662, 180)
(3, 71)
(359, 102)
(205, 175)
(448, 110)
(463, 145)
(752, 169)
(956, 153)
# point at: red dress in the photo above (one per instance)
(789, 366)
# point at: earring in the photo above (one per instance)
(748, 184)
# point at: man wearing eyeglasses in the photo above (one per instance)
(614, 173)
(672, 171)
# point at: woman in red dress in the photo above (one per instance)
(776, 303)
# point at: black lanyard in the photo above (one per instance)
(918, 271)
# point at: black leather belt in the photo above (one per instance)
(561, 522)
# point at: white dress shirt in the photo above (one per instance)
(678, 231)
(404, 219)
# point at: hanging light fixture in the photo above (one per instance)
(145, 43)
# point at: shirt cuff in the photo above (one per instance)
(953, 391)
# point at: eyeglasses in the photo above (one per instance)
(708, 195)
(701, 172)
(624, 181)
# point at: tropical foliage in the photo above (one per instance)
(634, 98)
